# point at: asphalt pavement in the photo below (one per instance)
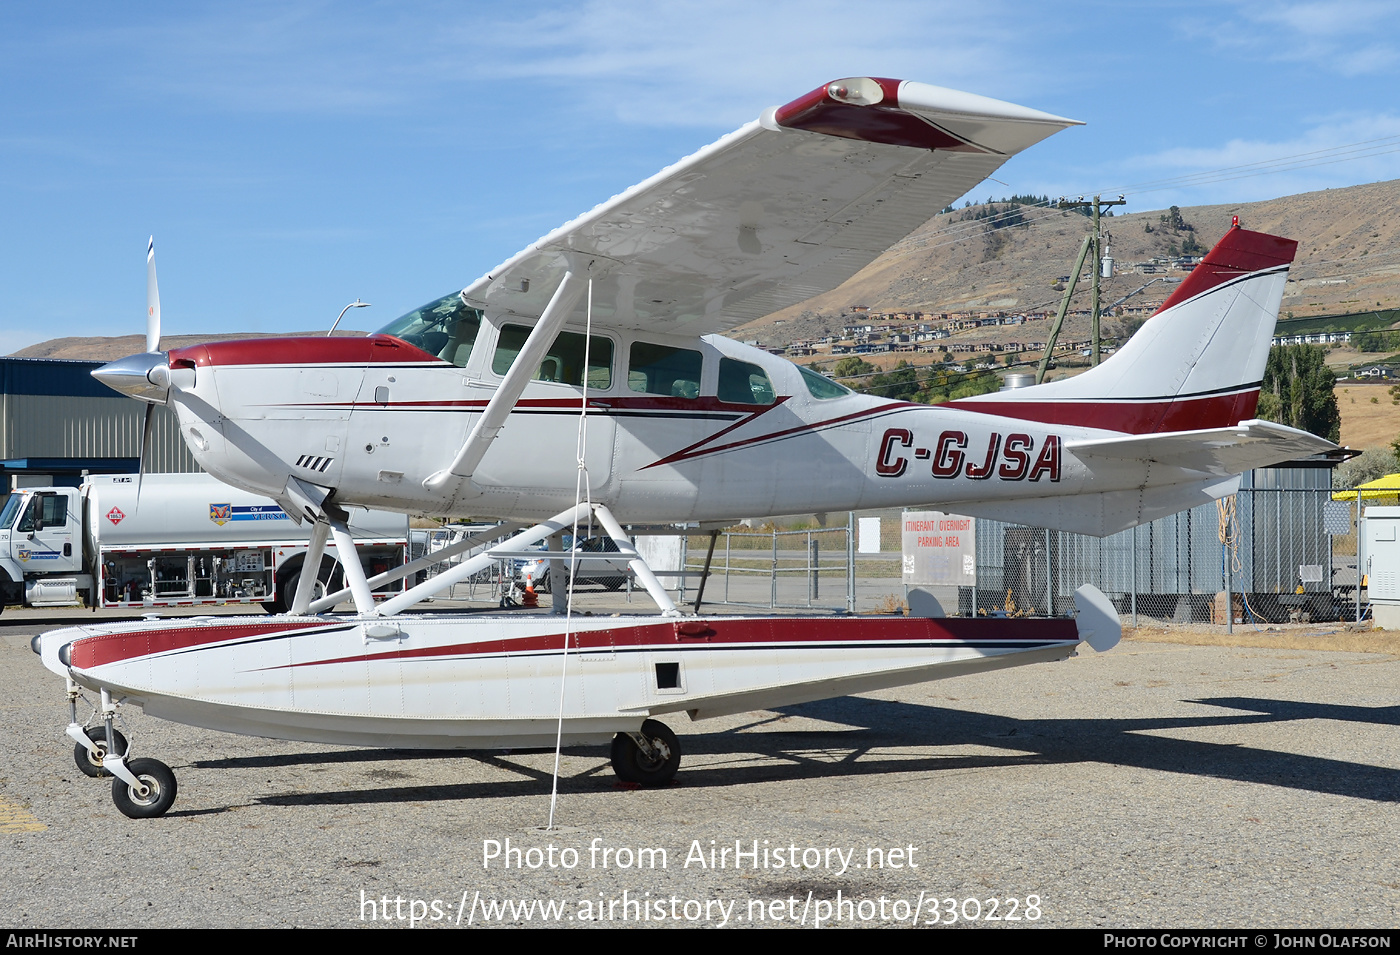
(1155, 785)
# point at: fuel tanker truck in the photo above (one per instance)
(190, 540)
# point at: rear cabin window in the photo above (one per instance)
(663, 370)
(564, 361)
(820, 386)
(744, 383)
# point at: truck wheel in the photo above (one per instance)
(287, 585)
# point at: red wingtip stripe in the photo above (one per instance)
(883, 122)
(1239, 252)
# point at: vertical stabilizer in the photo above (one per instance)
(1197, 363)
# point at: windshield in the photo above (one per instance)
(7, 515)
(446, 328)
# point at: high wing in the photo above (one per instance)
(789, 206)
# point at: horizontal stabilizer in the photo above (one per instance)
(1107, 512)
(1220, 451)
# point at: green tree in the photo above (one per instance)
(1373, 341)
(1298, 391)
(852, 366)
(1373, 463)
(901, 383)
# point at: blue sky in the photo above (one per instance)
(290, 157)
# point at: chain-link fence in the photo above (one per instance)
(778, 569)
(1282, 549)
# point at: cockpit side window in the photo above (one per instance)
(446, 328)
(663, 370)
(564, 360)
(744, 383)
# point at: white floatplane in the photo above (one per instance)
(473, 403)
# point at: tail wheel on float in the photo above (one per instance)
(634, 765)
(90, 763)
(156, 795)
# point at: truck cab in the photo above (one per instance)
(41, 535)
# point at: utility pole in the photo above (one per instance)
(1097, 205)
(1064, 307)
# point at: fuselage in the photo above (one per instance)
(675, 428)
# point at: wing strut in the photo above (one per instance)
(494, 416)
(422, 563)
(310, 568)
(349, 561)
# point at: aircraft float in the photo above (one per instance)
(586, 379)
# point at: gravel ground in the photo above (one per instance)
(1156, 785)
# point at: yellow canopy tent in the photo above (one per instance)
(1377, 491)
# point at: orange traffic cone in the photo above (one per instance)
(529, 598)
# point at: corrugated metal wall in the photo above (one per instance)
(54, 409)
(1280, 527)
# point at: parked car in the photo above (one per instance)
(611, 574)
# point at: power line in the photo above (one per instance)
(1348, 152)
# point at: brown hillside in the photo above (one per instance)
(1348, 260)
(110, 349)
(1370, 416)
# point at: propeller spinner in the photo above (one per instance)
(145, 377)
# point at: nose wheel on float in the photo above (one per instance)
(141, 788)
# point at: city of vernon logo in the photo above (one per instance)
(221, 514)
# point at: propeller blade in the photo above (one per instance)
(146, 427)
(152, 301)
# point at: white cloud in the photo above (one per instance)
(1349, 37)
(1340, 151)
(707, 63)
(679, 63)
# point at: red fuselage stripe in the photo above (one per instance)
(1129, 417)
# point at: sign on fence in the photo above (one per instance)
(869, 542)
(939, 549)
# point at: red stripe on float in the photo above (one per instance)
(89, 652)
(738, 633)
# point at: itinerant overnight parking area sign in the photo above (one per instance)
(939, 549)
